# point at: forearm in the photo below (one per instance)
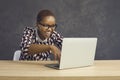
(36, 48)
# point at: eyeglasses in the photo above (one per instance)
(49, 26)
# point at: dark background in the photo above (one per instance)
(76, 18)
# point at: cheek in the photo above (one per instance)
(42, 30)
(53, 30)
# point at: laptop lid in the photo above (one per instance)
(77, 52)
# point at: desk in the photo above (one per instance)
(36, 70)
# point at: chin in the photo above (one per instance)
(46, 37)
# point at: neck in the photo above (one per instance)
(40, 35)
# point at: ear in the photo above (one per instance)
(36, 25)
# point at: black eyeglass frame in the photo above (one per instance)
(49, 26)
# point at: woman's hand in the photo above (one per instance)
(56, 52)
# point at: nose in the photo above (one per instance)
(49, 29)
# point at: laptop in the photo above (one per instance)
(76, 52)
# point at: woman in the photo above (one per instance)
(39, 42)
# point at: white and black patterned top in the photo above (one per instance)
(30, 36)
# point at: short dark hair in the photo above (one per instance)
(44, 13)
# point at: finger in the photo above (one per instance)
(55, 56)
(58, 57)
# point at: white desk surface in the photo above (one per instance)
(36, 70)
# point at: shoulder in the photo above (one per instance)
(28, 30)
(56, 34)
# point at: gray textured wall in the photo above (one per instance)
(76, 18)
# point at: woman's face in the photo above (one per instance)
(46, 27)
